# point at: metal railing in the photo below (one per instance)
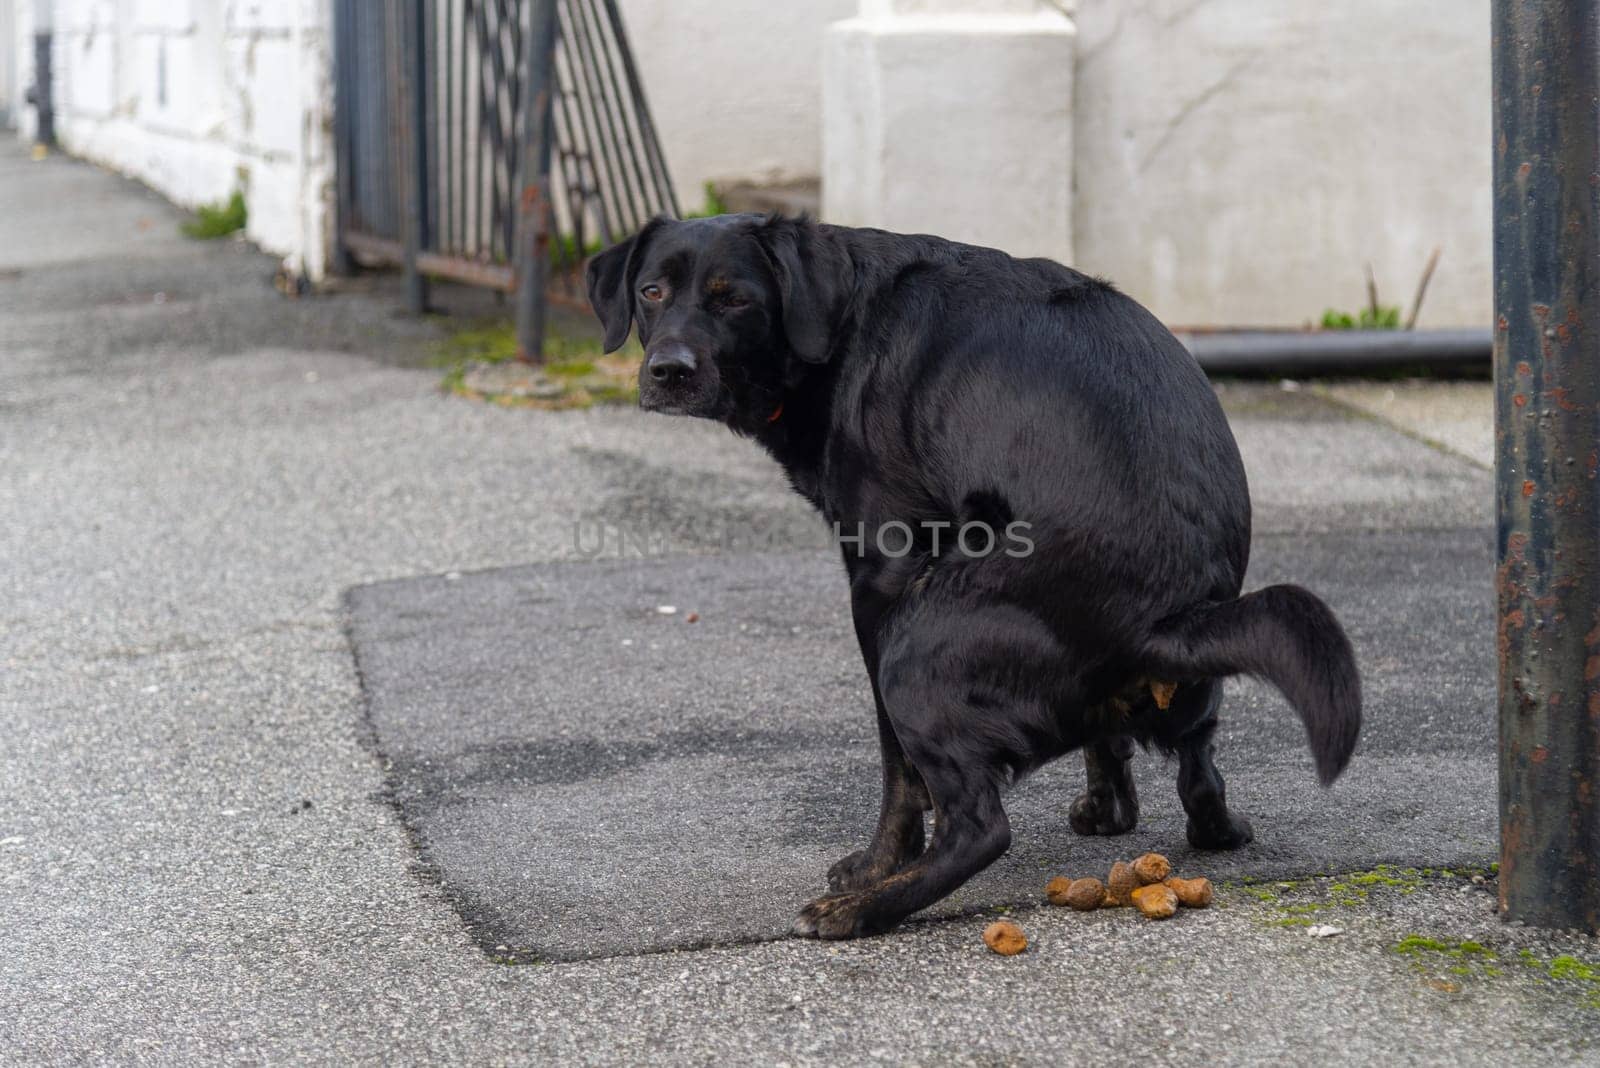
(441, 169)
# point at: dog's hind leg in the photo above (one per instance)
(1110, 804)
(1200, 785)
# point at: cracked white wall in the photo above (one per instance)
(952, 117)
(1240, 161)
(735, 86)
(1232, 161)
(23, 18)
(198, 98)
(10, 82)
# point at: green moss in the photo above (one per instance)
(615, 394)
(1415, 945)
(217, 220)
(1386, 317)
(492, 343)
(565, 250)
(714, 205)
(586, 375)
(1266, 895)
(1404, 879)
(1573, 968)
(1575, 975)
(1289, 921)
(1347, 894)
(569, 368)
(495, 341)
(1472, 959)
(1305, 908)
(1352, 890)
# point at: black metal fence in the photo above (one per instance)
(431, 128)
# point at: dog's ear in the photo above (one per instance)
(610, 277)
(810, 282)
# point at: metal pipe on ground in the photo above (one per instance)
(1335, 351)
(1547, 437)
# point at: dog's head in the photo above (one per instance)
(731, 311)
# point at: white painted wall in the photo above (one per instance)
(201, 97)
(952, 117)
(735, 86)
(1238, 161)
(10, 82)
(1231, 161)
(23, 20)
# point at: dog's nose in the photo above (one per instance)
(671, 363)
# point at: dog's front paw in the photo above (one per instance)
(854, 872)
(1231, 833)
(1102, 814)
(833, 917)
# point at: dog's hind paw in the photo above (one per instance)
(1099, 814)
(833, 917)
(1234, 832)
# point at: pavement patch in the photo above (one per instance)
(590, 777)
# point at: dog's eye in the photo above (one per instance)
(733, 300)
(652, 293)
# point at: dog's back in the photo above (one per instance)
(1030, 393)
(1024, 391)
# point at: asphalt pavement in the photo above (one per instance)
(312, 702)
(645, 783)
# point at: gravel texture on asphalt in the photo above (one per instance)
(198, 856)
(590, 777)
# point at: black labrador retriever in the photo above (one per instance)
(1042, 511)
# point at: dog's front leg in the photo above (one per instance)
(899, 837)
(960, 703)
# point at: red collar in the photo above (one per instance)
(773, 418)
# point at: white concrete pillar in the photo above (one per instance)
(952, 117)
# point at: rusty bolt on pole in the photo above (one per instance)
(534, 216)
(1547, 441)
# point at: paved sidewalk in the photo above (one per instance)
(1457, 417)
(199, 857)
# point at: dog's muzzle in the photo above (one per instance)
(673, 364)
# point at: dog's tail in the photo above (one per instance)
(1287, 636)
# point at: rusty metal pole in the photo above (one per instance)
(1547, 434)
(533, 178)
(408, 122)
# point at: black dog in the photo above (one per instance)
(1043, 513)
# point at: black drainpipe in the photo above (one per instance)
(1304, 352)
(39, 94)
